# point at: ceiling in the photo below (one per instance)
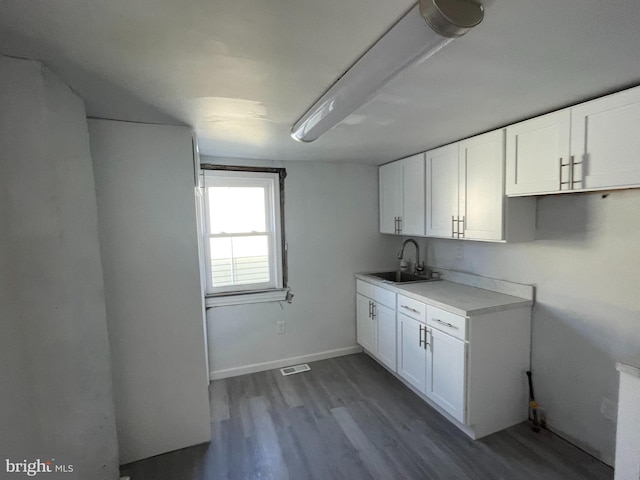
(241, 72)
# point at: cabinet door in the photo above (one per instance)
(442, 190)
(481, 191)
(366, 324)
(605, 137)
(386, 321)
(390, 178)
(413, 218)
(446, 373)
(412, 356)
(536, 149)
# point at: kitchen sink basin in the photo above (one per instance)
(402, 277)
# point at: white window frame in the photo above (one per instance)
(275, 289)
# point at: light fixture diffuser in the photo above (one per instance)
(421, 32)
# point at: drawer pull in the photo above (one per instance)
(570, 181)
(446, 323)
(410, 309)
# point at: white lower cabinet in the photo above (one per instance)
(376, 322)
(434, 363)
(446, 372)
(471, 368)
(366, 324)
(386, 322)
(412, 356)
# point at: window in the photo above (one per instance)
(243, 232)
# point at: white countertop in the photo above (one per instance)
(453, 297)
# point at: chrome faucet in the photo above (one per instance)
(419, 268)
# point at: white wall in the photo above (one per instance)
(146, 210)
(331, 221)
(56, 399)
(585, 265)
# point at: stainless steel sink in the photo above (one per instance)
(402, 277)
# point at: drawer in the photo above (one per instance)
(447, 322)
(364, 288)
(385, 297)
(412, 308)
(380, 295)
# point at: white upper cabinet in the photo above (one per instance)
(402, 196)
(390, 197)
(592, 146)
(442, 190)
(536, 149)
(413, 195)
(481, 188)
(605, 141)
(465, 193)
(455, 191)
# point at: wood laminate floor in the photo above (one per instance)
(348, 418)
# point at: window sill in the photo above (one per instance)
(227, 299)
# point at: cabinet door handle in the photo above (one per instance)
(457, 233)
(571, 172)
(424, 342)
(370, 308)
(425, 338)
(410, 309)
(560, 174)
(400, 224)
(573, 164)
(568, 182)
(450, 325)
(420, 341)
(373, 311)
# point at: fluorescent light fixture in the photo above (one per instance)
(421, 32)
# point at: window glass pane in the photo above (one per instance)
(239, 260)
(236, 209)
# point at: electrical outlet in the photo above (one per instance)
(609, 409)
(460, 253)
(281, 327)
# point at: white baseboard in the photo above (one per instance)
(284, 362)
